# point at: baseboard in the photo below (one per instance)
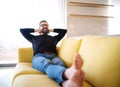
(8, 65)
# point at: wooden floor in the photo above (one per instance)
(6, 75)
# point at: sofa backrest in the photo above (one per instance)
(101, 55)
(69, 47)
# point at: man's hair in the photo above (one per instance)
(42, 21)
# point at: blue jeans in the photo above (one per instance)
(51, 64)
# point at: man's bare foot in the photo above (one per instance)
(74, 74)
(76, 66)
(76, 80)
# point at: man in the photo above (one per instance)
(45, 56)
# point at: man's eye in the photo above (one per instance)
(44, 25)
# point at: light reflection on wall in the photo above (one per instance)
(114, 23)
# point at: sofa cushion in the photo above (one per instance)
(25, 54)
(26, 68)
(101, 55)
(68, 48)
(36, 80)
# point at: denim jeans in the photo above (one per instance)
(50, 64)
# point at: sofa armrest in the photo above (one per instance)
(25, 54)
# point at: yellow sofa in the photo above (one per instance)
(101, 55)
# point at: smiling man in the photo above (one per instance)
(46, 59)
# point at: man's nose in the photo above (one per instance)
(44, 26)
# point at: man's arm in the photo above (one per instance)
(26, 33)
(61, 33)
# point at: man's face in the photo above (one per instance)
(44, 28)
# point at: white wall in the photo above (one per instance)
(16, 14)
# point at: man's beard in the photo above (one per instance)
(45, 31)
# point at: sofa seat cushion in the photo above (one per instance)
(25, 68)
(36, 80)
(68, 48)
(101, 55)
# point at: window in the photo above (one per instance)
(16, 14)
